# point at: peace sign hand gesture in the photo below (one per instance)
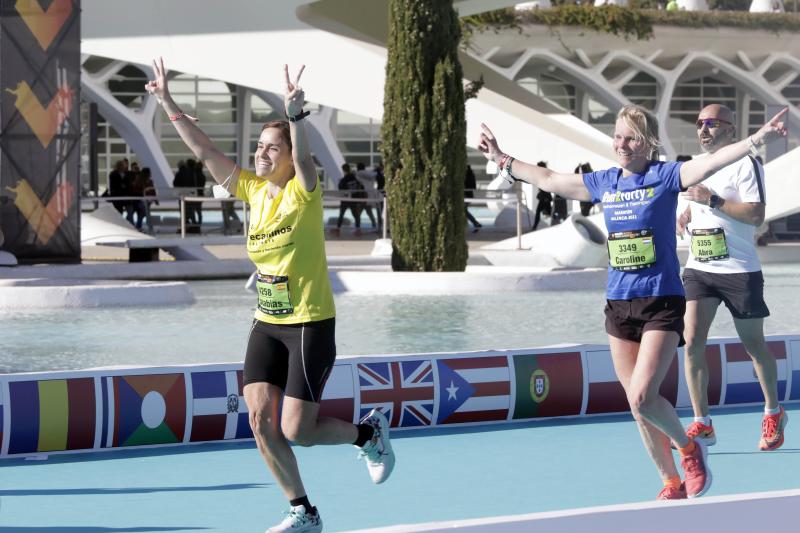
(158, 86)
(295, 97)
(772, 130)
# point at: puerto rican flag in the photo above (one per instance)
(606, 394)
(742, 382)
(218, 408)
(402, 390)
(473, 389)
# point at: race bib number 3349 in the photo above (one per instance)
(631, 250)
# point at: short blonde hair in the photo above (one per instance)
(644, 125)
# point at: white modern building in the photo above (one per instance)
(549, 94)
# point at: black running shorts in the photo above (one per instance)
(295, 357)
(629, 319)
(743, 293)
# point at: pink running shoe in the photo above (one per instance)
(772, 431)
(671, 493)
(698, 475)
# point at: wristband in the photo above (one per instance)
(299, 117)
(505, 170)
(502, 164)
(180, 115)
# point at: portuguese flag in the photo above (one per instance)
(548, 384)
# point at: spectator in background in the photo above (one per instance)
(354, 189)
(586, 207)
(119, 184)
(545, 205)
(185, 179)
(200, 182)
(559, 210)
(116, 184)
(469, 192)
(368, 180)
(380, 183)
(380, 179)
(143, 186)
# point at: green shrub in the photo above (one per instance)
(424, 137)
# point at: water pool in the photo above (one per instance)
(215, 328)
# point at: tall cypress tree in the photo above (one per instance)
(424, 137)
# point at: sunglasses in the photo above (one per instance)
(710, 123)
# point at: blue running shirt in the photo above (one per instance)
(645, 204)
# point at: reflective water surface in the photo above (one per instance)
(215, 328)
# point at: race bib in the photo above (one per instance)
(631, 250)
(709, 244)
(273, 295)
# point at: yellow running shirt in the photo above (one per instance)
(286, 240)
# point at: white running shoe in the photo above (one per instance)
(298, 520)
(378, 451)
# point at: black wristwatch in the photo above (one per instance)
(301, 116)
(715, 201)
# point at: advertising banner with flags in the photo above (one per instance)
(218, 408)
(79, 411)
(548, 384)
(473, 389)
(40, 128)
(52, 415)
(742, 384)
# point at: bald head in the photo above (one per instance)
(715, 127)
(717, 111)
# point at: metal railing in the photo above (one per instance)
(330, 199)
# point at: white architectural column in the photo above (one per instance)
(243, 126)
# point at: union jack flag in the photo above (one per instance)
(402, 390)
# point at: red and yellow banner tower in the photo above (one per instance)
(40, 129)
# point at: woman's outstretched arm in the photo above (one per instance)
(566, 185)
(221, 167)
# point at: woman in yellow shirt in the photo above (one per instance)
(291, 348)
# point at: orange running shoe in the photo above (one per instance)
(702, 432)
(772, 431)
(671, 493)
(698, 475)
